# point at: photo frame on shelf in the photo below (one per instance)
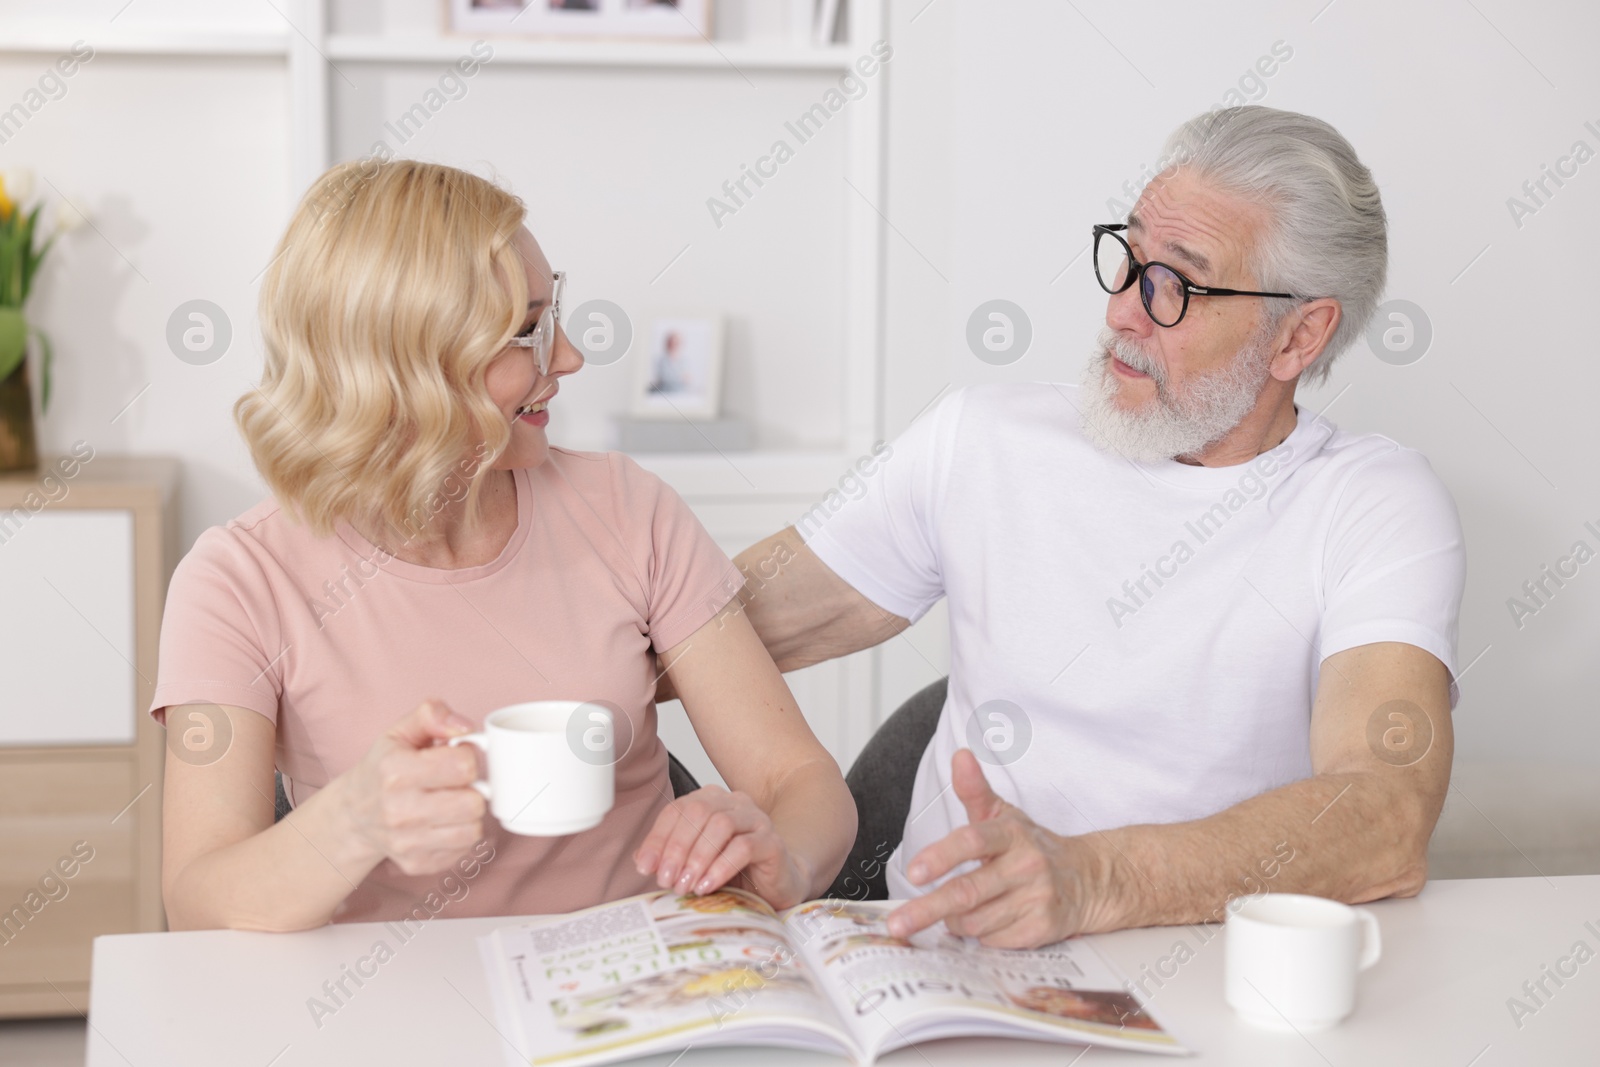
(681, 374)
(658, 19)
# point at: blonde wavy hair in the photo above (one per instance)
(393, 288)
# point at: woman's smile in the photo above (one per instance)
(537, 412)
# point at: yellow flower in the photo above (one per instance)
(6, 206)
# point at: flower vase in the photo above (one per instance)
(18, 444)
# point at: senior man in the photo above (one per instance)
(1225, 628)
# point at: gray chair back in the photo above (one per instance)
(880, 780)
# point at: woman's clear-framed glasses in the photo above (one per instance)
(1163, 289)
(542, 338)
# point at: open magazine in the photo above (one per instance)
(662, 971)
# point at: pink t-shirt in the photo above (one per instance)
(334, 641)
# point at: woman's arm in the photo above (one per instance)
(226, 864)
(788, 825)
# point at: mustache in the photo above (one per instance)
(1132, 355)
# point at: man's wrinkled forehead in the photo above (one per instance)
(1191, 257)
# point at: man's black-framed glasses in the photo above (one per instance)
(1164, 290)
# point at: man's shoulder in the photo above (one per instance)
(1372, 471)
(1376, 458)
(1023, 412)
(1009, 398)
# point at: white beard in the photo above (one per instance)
(1169, 425)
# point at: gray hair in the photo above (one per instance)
(1328, 235)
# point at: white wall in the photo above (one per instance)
(1012, 124)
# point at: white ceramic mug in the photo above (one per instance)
(550, 765)
(1292, 960)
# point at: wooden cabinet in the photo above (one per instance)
(87, 544)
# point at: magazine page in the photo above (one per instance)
(654, 973)
(892, 992)
(882, 985)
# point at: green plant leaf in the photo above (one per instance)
(14, 267)
(38, 254)
(30, 257)
(11, 264)
(13, 340)
(46, 357)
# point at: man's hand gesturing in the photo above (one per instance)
(1031, 888)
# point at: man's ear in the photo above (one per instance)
(1304, 335)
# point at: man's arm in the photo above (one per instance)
(803, 612)
(1357, 830)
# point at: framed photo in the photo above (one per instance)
(689, 19)
(681, 374)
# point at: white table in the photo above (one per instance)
(1452, 958)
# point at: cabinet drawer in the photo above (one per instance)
(56, 817)
(66, 580)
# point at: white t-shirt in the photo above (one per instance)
(1136, 642)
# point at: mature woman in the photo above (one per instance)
(427, 557)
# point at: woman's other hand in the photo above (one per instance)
(702, 841)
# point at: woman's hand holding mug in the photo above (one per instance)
(411, 798)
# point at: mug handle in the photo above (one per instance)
(482, 741)
(1372, 943)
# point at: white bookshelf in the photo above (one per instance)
(308, 49)
(729, 55)
(148, 42)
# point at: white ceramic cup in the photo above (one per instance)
(1291, 961)
(550, 765)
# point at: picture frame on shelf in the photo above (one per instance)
(681, 374)
(649, 19)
